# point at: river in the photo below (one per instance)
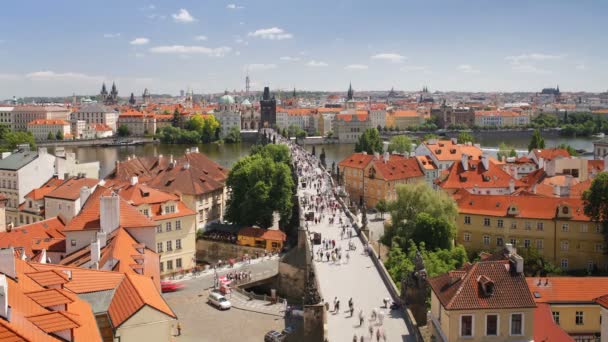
(227, 154)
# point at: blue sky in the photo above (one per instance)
(61, 47)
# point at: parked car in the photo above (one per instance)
(219, 301)
(169, 286)
(274, 336)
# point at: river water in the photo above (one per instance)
(227, 154)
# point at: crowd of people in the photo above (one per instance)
(216, 235)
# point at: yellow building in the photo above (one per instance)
(371, 178)
(573, 302)
(403, 119)
(485, 301)
(556, 227)
(270, 240)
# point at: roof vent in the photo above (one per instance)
(486, 284)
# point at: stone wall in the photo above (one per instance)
(291, 282)
(212, 251)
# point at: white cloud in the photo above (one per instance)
(66, 76)
(111, 35)
(468, 69)
(192, 49)
(389, 56)
(581, 66)
(234, 7)
(532, 57)
(273, 33)
(314, 63)
(414, 68)
(356, 67)
(183, 16)
(260, 67)
(289, 59)
(201, 37)
(139, 41)
(237, 53)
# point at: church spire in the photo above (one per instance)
(350, 93)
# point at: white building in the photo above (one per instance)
(41, 129)
(6, 116)
(228, 114)
(377, 118)
(20, 173)
(22, 115)
(96, 114)
(67, 166)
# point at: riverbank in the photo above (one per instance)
(105, 142)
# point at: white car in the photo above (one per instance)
(219, 301)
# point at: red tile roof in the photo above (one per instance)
(70, 188)
(555, 290)
(40, 122)
(551, 153)
(446, 150)
(30, 236)
(356, 160)
(405, 113)
(478, 176)
(54, 321)
(49, 186)
(266, 234)
(397, 167)
(461, 289)
(49, 297)
(545, 329)
(349, 117)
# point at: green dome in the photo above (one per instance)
(226, 99)
(246, 103)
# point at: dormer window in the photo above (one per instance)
(565, 210)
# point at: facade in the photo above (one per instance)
(271, 240)
(250, 116)
(485, 301)
(6, 116)
(401, 119)
(22, 115)
(66, 166)
(370, 178)
(20, 173)
(454, 116)
(500, 118)
(268, 109)
(600, 149)
(431, 172)
(32, 209)
(556, 227)
(378, 118)
(41, 129)
(96, 114)
(67, 198)
(138, 123)
(228, 114)
(349, 127)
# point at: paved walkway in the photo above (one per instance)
(240, 301)
(356, 278)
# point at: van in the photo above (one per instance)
(219, 301)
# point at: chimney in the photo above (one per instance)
(109, 213)
(509, 247)
(186, 165)
(486, 162)
(541, 163)
(85, 192)
(193, 149)
(534, 188)
(43, 256)
(103, 239)
(464, 160)
(454, 141)
(7, 262)
(376, 155)
(171, 161)
(503, 159)
(511, 186)
(134, 180)
(4, 308)
(518, 262)
(95, 254)
(386, 157)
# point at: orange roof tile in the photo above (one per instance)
(477, 176)
(555, 290)
(551, 153)
(29, 236)
(405, 113)
(545, 329)
(356, 160)
(39, 122)
(349, 117)
(8, 335)
(397, 167)
(446, 150)
(53, 321)
(39, 193)
(70, 188)
(49, 297)
(48, 278)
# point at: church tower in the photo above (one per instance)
(112, 99)
(350, 98)
(146, 96)
(103, 94)
(189, 102)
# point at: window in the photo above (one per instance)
(579, 318)
(486, 240)
(513, 225)
(467, 220)
(169, 264)
(178, 225)
(565, 227)
(540, 226)
(590, 266)
(467, 237)
(539, 244)
(517, 327)
(492, 325)
(178, 244)
(598, 228)
(73, 243)
(486, 221)
(527, 243)
(499, 241)
(599, 247)
(528, 225)
(178, 262)
(513, 242)
(499, 223)
(159, 247)
(168, 226)
(162, 266)
(564, 245)
(584, 228)
(146, 212)
(466, 326)
(564, 264)
(169, 245)
(159, 229)
(555, 317)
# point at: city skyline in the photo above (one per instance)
(165, 46)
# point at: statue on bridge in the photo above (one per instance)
(413, 289)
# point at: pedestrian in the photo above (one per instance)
(335, 302)
(338, 307)
(326, 306)
(378, 335)
(179, 329)
(362, 339)
(361, 317)
(352, 310)
(355, 338)
(350, 302)
(371, 332)
(381, 317)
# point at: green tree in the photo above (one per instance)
(400, 144)
(50, 136)
(260, 186)
(430, 136)
(465, 137)
(209, 132)
(537, 141)
(233, 136)
(382, 207)
(436, 233)
(369, 142)
(568, 148)
(177, 118)
(123, 131)
(59, 135)
(506, 151)
(3, 130)
(14, 139)
(196, 123)
(596, 201)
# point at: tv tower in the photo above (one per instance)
(247, 84)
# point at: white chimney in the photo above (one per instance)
(95, 254)
(376, 155)
(109, 213)
(511, 186)
(4, 309)
(464, 160)
(134, 180)
(486, 162)
(7, 262)
(103, 239)
(386, 157)
(510, 248)
(541, 163)
(518, 261)
(186, 165)
(193, 149)
(43, 256)
(85, 192)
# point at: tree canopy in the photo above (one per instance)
(233, 136)
(261, 184)
(400, 144)
(506, 151)
(369, 142)
(465, 137)
(206, 127)
(123, 131)
(537, 141)
(596, 201)
(14, 139)
(568, 148)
